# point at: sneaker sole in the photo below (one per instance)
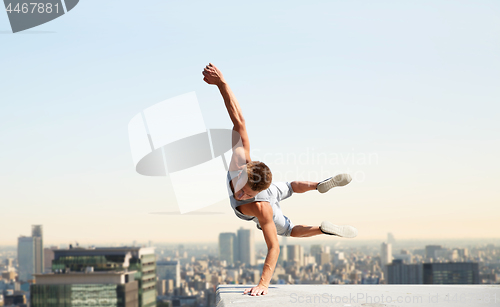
(337, 181)
(341, 231)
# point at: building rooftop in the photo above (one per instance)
(135, 251)
(363, 295)
(103, 277)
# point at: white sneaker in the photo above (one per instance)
(335, 230)
(337, 181)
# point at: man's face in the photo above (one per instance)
(243, 190)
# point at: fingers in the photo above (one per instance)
(255, 291)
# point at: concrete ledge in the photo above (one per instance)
(363, 295)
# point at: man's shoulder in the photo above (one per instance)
(257, 208)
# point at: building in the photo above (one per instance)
(451, 273)
(142, 260)
(37, 235)
(295, 254)
(400, 273)
(228, 248)
(166, 270)
(48, 256)
(16, 298)
(30, 253)
(338, 258)
(405, 258)
(390, 238)
(73, 289)
(385, 254)
(373, 280)
(246, 246)
(9, 275)
(8, 264)
(25, 258)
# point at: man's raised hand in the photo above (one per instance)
(212, 75)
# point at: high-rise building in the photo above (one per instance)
(30, 253)
(75, 289)
(451, 273)
(228, 247)
(169, 270)
(37, 234)
(8, 263)
(400, 273)
(296, 254)
(390, 238)
(283, 251)
(142, 260)
(385, 254)
(25, 258)
(246, 246)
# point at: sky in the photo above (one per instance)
(403, 95)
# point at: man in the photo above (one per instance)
(254, 197)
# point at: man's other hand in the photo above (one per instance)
(212, 75)
(256, 291)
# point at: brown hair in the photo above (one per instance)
(259, 176)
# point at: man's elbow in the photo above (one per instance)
(239, 123)
(274, 249)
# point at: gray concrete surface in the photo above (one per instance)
(363, 295)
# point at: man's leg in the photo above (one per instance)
(302, 231)
(303, 186)
(322, 186)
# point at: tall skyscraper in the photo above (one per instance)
(283, 251)
(246, 246)
(30, 253)
(228, 247)
(385, 254)
(37, 234)
(142, 260)
(25, 258)
(296, 254)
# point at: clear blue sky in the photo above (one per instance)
(413, 83)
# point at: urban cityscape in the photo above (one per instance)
(165, 275)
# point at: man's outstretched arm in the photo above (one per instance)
(264, 213)
(212, 75)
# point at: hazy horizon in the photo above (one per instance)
(403, 96)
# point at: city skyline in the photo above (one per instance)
(402, 97)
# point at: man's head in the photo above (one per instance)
(257, 178)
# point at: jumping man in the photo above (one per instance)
(254, 197)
